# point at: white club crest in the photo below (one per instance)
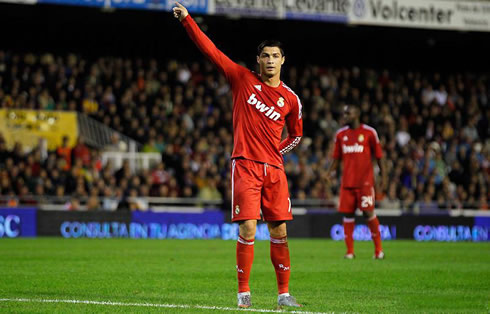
(345, 138)
(280, 102)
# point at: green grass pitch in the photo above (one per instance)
(414, 278)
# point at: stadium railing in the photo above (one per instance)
(100, 136)
(163, 204)
(137, 161)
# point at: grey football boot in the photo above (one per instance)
(287, 300)
(244, 300)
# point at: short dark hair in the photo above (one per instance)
(270, 43)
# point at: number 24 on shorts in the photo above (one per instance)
(367, 201)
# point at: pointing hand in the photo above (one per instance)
(180, 12)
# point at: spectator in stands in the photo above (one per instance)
(116, 145)
(209, 191)
(64, 151)
(93, 203)
(4, 153)
(391, 200)
(73, 204)
(160, 175)
(135, 202)
(12, 199)
(150, 147)
(81, 151)
(109, 202)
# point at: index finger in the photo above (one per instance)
(178, 4)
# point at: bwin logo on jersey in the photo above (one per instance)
(356, 148)
(268, 111)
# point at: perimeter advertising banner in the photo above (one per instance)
(247, 8)
(206, 225)
(93, 224)
(15, 223)
(420, 228)
(141, 225)
(430, 14)
(28, 126)
(20, 1)
(435, 14)
(210, 224)
(194, 6)
(318, 10)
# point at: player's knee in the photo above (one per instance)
(277, 229)
(247, 229)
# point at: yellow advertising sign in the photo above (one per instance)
(28, 126)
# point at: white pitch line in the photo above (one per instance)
(180, 306)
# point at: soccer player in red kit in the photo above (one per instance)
(262, 106)
(356, 144)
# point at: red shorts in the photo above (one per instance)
(257, 186)
(354, 198)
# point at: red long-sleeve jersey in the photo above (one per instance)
(259, 111)
(356, 148)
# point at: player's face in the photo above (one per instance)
(270, 61)
(350, 115)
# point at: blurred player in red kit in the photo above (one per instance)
(262, 106)
(356, 145)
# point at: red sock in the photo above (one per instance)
(349, 224)
(282, 263)
(373, 224)
(244, 260)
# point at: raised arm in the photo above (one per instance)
(207, 47)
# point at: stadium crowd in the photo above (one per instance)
(433, 128)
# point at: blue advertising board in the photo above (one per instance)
(205, 225)
(434, 227)
(362, 232)
(16, 223)
(451, 233)
(209, 224)
(194, 6)
(454, 230)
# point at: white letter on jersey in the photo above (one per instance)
(252, 100)
(275, 115)
(269, 112)
(262, 107)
